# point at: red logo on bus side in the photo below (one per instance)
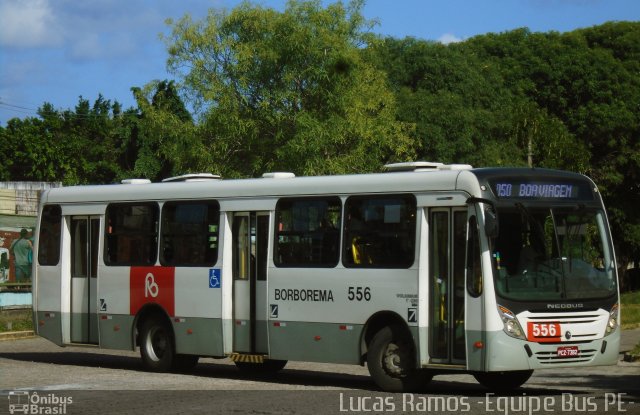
(152, 285)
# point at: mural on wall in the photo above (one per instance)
(16, 253)
(18, 209)
(4, 264)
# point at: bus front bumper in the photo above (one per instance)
(504, 353)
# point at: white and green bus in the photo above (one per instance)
(422, 270)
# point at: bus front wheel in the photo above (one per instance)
(156, 345)
(503, 380)
(391, 362)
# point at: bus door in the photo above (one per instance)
(250, 246)
(85, 237)
(447, 246)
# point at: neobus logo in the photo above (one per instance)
(565, 306)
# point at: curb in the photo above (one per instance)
(14, 335)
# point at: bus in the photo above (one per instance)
(421, 270)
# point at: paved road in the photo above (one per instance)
(88, 380)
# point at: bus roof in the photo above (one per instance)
(467, 180)
(262, 187)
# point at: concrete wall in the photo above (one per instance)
(7, 202)
(25, 196)
(10, 299)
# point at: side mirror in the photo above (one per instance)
(490, 216)
(491, 223)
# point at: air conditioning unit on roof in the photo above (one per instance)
(424, 166)
(193, 177)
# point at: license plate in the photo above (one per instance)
(568, 351)
(543, 332)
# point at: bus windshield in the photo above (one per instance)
(549, 254)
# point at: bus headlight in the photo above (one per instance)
(613, 322)
(511, 325)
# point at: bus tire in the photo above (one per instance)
(392, 364)
(156, 345)
(502, 381)
(268, 366)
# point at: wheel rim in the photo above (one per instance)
(156, 343)
(393, 360)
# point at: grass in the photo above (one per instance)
(16, 321)
(630, 310)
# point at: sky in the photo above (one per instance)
(58, 50)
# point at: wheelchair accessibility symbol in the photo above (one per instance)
(214, 278)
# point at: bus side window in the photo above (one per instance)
(474, 270)
(189, 233)
(306, 233)
(379, 231)
(49, 238)
(131, 236)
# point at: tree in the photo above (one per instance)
(35, 150)
(74, 147)
(162, 143)
(456, 101)
(287, 90)
(588, 81)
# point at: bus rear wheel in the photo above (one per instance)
(156, 345)
(502, 381)
(391, 362)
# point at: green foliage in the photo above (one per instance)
(630, 298)
(565, 101)
(465, 110)
(99, 143)
(588, 81)
(14, 320)
(72, 147)
(287, 90)
(163, 142)
(630, 309)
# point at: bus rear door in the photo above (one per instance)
(85, 237)
(250, 246)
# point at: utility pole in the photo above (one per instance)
(531, 133)
(530, 151)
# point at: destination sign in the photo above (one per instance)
(542, 190)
